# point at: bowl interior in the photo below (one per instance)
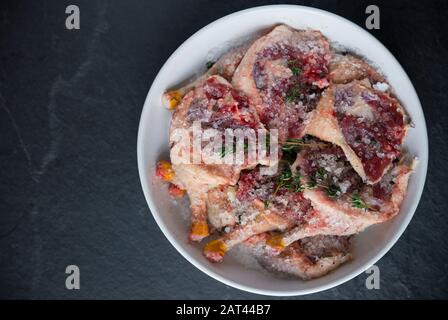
(189, 59)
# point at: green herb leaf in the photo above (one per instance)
(209, 64)
(311, 185)
(295, 71)
(289, 181)
(293, 144)
(333, 191)
(357, 202)
(294, 67)
(266, 204)
(292, 95)
(296, 185)
(268, 143)
(320, 173)
(285, 175)
(223, 151)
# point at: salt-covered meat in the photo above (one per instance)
(216, 105)
(350, 211)
(263, 221)
(345, 68)
(224, 67)
(283, 74)
(299, 220)
(221, 211)
(369, 126)
(264, 203)
(307, 258)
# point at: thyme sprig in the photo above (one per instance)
(288, 180)
(295, 71)
(225, 151)
(333, 191)
(266, 204)
(359, 203)
(293, 65)
(292, 182)
(292, 95)
(294, 143)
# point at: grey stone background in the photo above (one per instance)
(70, 103)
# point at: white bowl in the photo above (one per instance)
(152, 144)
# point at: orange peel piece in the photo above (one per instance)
(199, 230)
(276, 243)
(172, 99)
(175, 191)
(165, 171)
(215, 250)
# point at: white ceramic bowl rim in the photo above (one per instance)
(142, 165)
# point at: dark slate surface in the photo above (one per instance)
(70, 103)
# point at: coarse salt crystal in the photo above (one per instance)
(381, 86)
